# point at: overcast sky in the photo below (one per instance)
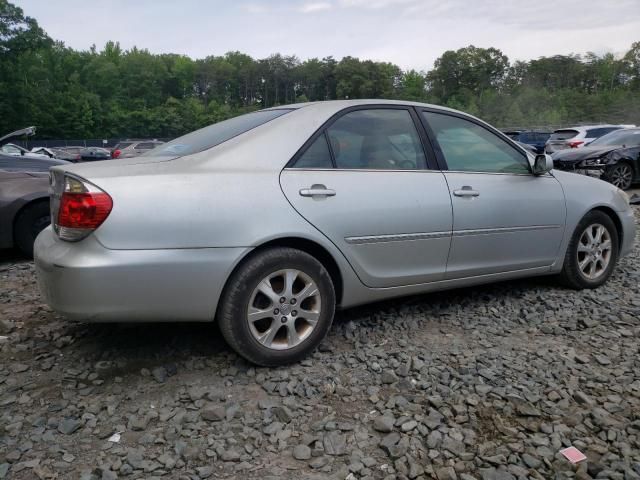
(410, 33)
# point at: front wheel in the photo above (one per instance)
(592, 252)
(277, 307)
(620, 175)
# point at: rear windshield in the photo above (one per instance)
(563, 134)
(209, 137)
(628, 138)
(122, 145)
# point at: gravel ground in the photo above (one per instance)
(485, 383)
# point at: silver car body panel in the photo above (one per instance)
(394, 227)
(179, 226)
(491, 235)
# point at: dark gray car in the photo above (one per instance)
(24, 200)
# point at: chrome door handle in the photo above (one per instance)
(317, 191)
(466, 192)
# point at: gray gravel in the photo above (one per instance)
(487, 383)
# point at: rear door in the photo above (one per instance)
(365, 182)
(504, 217)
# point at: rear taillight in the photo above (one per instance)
(575, 143)
(83, 207)
(116, 153)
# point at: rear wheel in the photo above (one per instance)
(29, 223)
(592, 252)
(620, 175)
(277, 307)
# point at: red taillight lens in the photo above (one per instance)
(115, 154)
(575, 143)
(84, 210)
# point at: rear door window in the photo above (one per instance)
(316, 156)
(376, 139)
(563, 134)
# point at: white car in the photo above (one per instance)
(17, 151)
(576, 137)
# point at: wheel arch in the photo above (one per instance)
(614, 218)
(21, 210)
(306, 245)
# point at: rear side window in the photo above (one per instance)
(209, 137)
(563, 134)
(316, 156)
(468, 147)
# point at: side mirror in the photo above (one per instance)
(542, 164)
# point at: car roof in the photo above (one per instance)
(587, 127)
(341, 104)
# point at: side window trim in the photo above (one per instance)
(440, 156)
(431, 159)
(331, 154)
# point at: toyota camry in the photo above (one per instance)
(268, 222)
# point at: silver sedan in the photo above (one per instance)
(269, 221)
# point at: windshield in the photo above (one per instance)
(629, 138)
(209, 137)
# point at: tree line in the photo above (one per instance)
(113, 92)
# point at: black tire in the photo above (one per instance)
(571, 275)
(28, 224)
(234, 304)
(621, 175)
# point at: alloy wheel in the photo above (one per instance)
(283, 309)
(621, 176)
(594, 251)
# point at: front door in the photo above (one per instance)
(505, 218)
(362, 182)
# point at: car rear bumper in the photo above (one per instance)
(86, 281)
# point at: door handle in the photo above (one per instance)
(317, 191)
(466, 191)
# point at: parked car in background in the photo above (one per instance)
(577, 137)
(71, 154)
(133, 148)
(537, 139)
(614, 157)
(18, 151)
(44, 151)
(24, 200)
(91, 154)
(269, 220)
